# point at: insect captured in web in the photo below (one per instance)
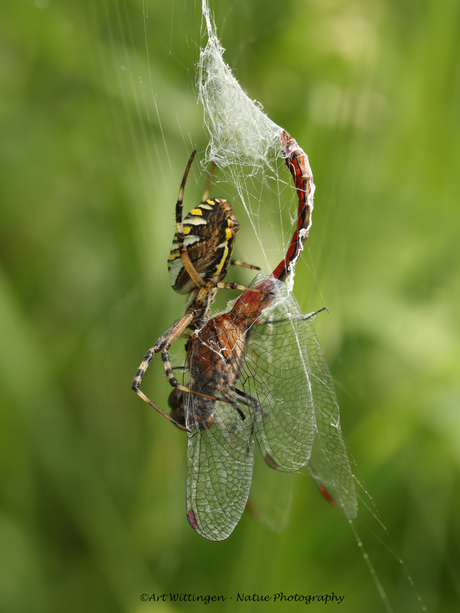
(257, 373)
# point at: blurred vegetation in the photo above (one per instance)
(97, 119)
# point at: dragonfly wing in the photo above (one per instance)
(275, 380)
(295, 410)
(329, 465)
(270, 500)
(219, 467)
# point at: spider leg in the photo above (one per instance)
(163, 344)
(312, 315)
(183, 388)
(270, 322)
(209, 182)
(242, 288)
(190, 268)
(248, 400)
(154, 406)
(234, 262)
(240, 412)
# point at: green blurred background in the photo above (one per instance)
(97, 118)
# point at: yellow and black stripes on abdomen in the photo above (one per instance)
(209, 231)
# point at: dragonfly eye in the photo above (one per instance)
(176, 404)
(175, 399)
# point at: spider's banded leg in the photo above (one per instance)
(252, 403)
(244, 264)
(182, 388)
(242, 288)
(146, 361)
(184, 256)
(240, 412)
(209, 182)
(290, 320)
(155, 349)
(136, 383)
(163, 344)
(154, 406)
(247, 399)
(313, 314)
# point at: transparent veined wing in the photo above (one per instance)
(296, 419)
(220, 457)
(329, 465)
(275, 378)
(278, 388)
(271, 497)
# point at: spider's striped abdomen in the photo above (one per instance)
(209, 233)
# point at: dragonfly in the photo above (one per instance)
(257, 375)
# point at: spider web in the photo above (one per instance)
(243, 141)
(245, 145)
